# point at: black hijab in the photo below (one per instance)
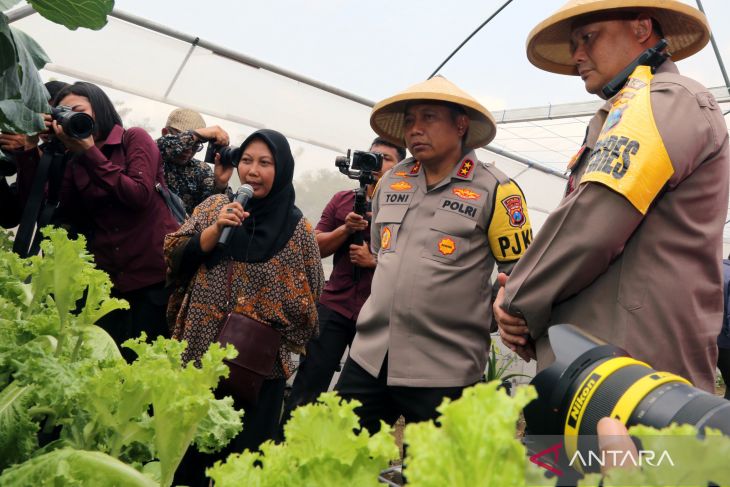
(274, 218)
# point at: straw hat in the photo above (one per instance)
(184, 119)
(548, 45)
(387, 117)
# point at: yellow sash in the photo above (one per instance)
(630, 157)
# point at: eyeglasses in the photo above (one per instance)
(198, 146)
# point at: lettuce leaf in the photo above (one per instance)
(475, 443)
(74, 467)
(324, 447)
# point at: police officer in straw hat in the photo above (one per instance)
(441, 219)
(633, 254)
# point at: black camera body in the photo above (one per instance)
(360, 165)
(229, 155)
(74, 124)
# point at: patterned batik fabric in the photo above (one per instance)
(281, 292)
(193, 181)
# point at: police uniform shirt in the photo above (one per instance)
(633, 253)
(430, 307)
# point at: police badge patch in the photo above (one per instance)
(513, 205)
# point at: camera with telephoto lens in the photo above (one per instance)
(74, 124)
(229, 155)
(591, 379)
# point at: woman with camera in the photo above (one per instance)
(107, 193)
(270, 272)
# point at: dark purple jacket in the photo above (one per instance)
(109, 192)
(341, 293)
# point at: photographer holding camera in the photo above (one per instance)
(191, 179)
(106, 191)
(343, 295)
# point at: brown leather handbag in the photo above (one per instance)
(257, 344)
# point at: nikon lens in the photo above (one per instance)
(591, 379)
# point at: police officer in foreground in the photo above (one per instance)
(440, 221)
(633, 253)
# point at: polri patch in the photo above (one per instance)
(459, 207)
(466, 194)
(447, 246)
(401, 186)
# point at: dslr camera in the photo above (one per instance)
(74, 124)
(229, 155)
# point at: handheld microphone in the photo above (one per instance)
(244, 193)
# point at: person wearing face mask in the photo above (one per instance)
(107, 193)
(633, 253)
(271, 269)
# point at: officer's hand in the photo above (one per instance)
(512, 329)
(360, 256)
(355, 223)
(613, 436)
(215, 134)
(221, 173)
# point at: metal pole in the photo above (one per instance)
(469, 38)
(717, 52)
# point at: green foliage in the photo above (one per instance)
(70, 467)
(323, 447)
(497, 366)
(22, 94)
(75, 13)
(150, 409)
(474, 443)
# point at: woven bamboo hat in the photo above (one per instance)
(184, 119)
(387, 116)
(548, 45)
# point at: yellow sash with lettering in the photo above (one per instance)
(510, 230)
(630, 157)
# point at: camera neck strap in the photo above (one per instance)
(41, 205)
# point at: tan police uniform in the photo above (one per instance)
(430, 308)
(633, 253)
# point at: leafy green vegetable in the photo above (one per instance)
(475, 443)
(75, 13)
(323, 447)
(70, 467)
(86, 394)
(16, 424)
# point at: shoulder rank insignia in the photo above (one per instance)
(466, 194)
(466, 168)
(400, 174)
(401, 186)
